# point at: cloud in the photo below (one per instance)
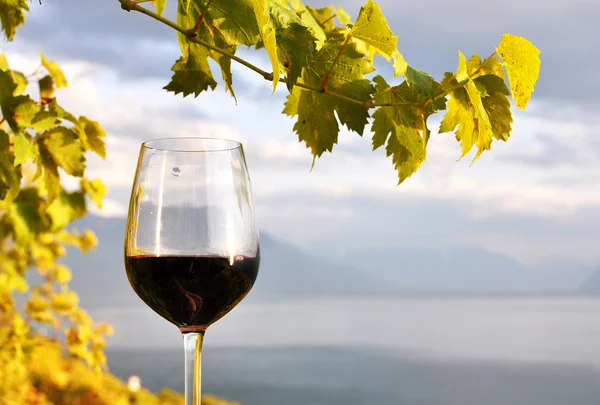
(532, 197)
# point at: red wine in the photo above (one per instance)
(191, 291)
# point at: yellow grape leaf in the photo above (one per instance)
(485, 133)
(160, 6)
(91, 137)
(491, 66)
(69, 207)
(372, 28)
(342, 15)
(95, 189)
(24, 149)
(522, 61)
(55, 72)
(66, 151)
(267, 33)
(403, 127)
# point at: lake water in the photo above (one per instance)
(418, 351)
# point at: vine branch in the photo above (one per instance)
(191, 35)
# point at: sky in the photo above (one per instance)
(535, 198)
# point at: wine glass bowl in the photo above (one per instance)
(191, 246)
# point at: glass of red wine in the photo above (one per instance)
(191, 245)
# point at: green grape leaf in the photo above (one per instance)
(61, 113)
(309, 21)
(297, 46)
(46, 85)
(192, 73)
(19, 112)
(491, 66)
(324, 18)
(522, 61)
(497, 105)
(372, 28)
(317, 125)
(267, 34)
(12, 14)
(57, 75)
(91, 137)
(24, 216)
(421, 81)
(95, 189)
(10, 179)
(51, 178)
(24, 149)
(65, 209)
(230, 18)
(7, 88)
(403, 126)
(160, 6)
(44, 120)
(63, 146)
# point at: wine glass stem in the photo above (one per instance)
(192, 343)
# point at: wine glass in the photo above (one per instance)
(191, 244)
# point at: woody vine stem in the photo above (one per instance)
(191, 35)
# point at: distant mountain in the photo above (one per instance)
(287, 271)
(99, 276)
(466, 270)
(591, 286)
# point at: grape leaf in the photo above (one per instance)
(91, 137)
(65, 209)
(324, 18)
(192, 73)
(421, 81)
(3, 63)
(342, 15)
(160, 6)
(24, 149)
(491, 66)
(25, 217)
(10, 179)
(309, 21)
(231, 18)
(267, 34)
(12, 14)
(44, 120)
(522, 61)
(403, 127)
(296, 47)
(21, 82)
(65, 151)
(372, 28)
(95, 189)
(317, 125)
(497, 105)
(57, 75)
(461, 116)
(51, 179)
(484, 128)
(19, 112)
(7, 87)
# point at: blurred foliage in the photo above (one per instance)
(51, 351)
